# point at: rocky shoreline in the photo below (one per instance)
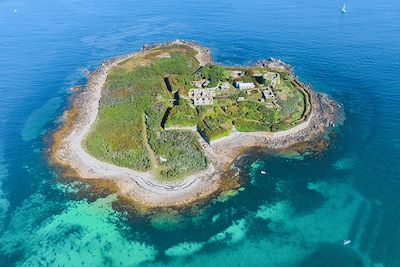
(324, 115)
(140, 187)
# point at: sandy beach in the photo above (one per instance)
(142, 187)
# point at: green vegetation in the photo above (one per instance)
(146, 100)
(182, 153)
(135, 97)
(250, 126)
(117, 137)
(214, 74)
(183, 114)
(215, 125)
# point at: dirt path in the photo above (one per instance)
(152, 155)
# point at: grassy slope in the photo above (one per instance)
(133, 89)
(183, 115)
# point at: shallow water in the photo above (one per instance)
(297, 214)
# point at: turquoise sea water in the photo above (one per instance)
(297, 214)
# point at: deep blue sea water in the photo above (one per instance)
(298, 214)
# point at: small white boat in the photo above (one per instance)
(346, 242)
(343, 9)
(263, 172)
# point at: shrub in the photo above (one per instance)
(250, 126)
(214, 73)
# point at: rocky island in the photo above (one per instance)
(165, 124)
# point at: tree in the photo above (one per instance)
(215, 74)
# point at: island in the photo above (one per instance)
(165, 124)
